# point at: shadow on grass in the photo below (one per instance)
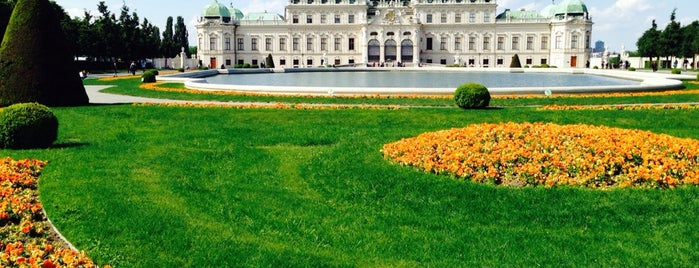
(69, 144)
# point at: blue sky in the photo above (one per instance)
(617, 22)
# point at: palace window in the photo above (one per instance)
(587, 40)
(457, 18)
(515, 43)
(295, 44)
(323, 19)
(295, 19)
(472, 43)
(443, 18)
(559, 42)
(338, 42)
(324, 44)
(574, 41)
(530, 43)
(309, 43)
(309, 19)
(241, 44)
(457, 43)
(212, 43)
(228, 43)
(268, 44)
(282, 43)
(544, 42)
(486, 43)
(350, 19)
(253, 44)
(486, 17)
(429, 18)
(351, 44)
(472, 18)
(443, 43)
(501, 43)
(429, 43)
(337, 18)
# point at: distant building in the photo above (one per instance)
(599, 47)
(412, 32)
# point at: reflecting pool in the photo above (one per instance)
(418, 79)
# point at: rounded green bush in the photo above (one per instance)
(148, 77)
(632, 69)
(676, 71)
(27, 126)
(472, 96)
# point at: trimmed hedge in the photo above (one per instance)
(676, 71)
(27, 126)
(36, 64)
(472, 96)
(149, 76)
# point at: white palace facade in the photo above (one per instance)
(410, 32)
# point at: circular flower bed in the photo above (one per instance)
(532, 154)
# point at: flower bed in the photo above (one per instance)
(629, 107)
(532, 154)
(25, 234)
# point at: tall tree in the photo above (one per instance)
(671, 37)
(648, 45)
(109, 32)
(150, 36)
(168, 46)
(6, 7)
(181, 36)
(36, 64)
(130, 32)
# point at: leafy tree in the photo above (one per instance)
(671, 37)
(36, 64)
(108, 30)
(167, 45)
(181, 37)
(150, 36)
(130, 35)
(648, 44)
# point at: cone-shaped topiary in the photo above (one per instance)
(27, 126)
(515, 62)
(472, 96)
(36, 64)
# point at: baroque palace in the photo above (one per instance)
(405, 32)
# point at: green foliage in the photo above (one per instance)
(632, 69)
(472, 96)
(697, 77)
(27, 126)
(36, 64)
(269, 61)
(515, 62)
(676, 71)
(149, 76)
(181, 70)
(247, 65)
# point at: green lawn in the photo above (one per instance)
(151, 186)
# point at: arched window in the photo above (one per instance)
(406, 50)
(374, 50)
(391, 50)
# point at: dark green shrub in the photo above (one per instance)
(515, 62)
(36, 64)
(472, 96)
(632, 69)
(269, 61)
(246, 65)
(148, 77)
(27, 126)
(676, 71)
(181, 70)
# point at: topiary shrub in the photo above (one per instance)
(27, 126)
(632, 69)
(148, 77)
(676, 71)
(472, 96)
(515, 62)
(36, 64)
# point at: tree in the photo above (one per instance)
(648, 44)
(671, 38)
(109, 32)
(168, 46)
(129, 35)
(269, 61)
(6, 7)
(36, 64)
(181, 37)
(515, 62)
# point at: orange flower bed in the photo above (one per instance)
(277, 105)
(24, 231)
(532, 154)
(630, 107)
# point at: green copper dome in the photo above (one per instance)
(216, 10)
(570, 7)
(236, 14)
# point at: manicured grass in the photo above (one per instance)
(145, 186)
(130, 87)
